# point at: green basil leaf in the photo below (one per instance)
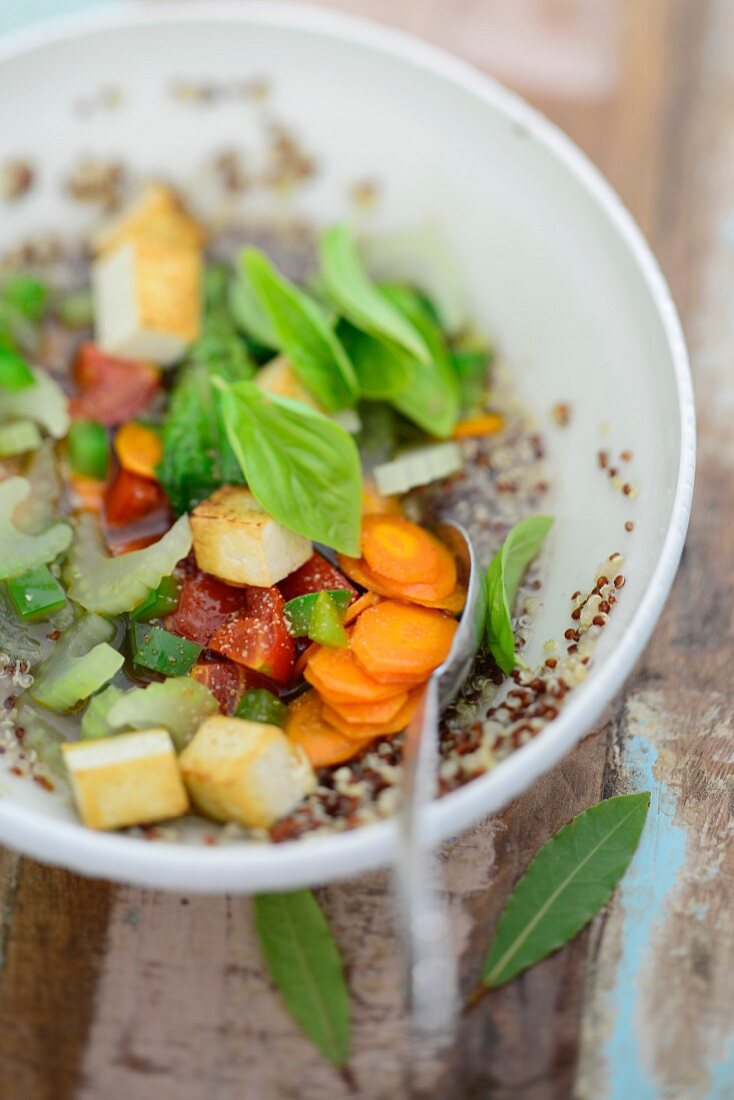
(382, 371)
(432, 398)
(304, 963)
(302, 467)
(250, 316)
(27, 294)
(503, 580)
(359, 300)
(304, 334)
(567, 883)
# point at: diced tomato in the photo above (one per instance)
(112, 390)
(226, 681)
(131, 497)
(315, 576)
(204, 605)
(258, 636)
(117, 548)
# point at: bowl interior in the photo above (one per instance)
(548, 271)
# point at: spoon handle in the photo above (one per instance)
(432, 972)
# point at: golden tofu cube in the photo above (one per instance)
(159, 212)
(279, 377)
(147, 299)
(129, 779)
(236, 540)
(246, 772)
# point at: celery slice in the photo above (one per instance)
(40, 509)
(18, 438)
(44, 402)
(80, 663)
(16, 639)
(180, 705)
(113, 585)
(21, 552)
(417, 467)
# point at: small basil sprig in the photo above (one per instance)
(304, 963)
(303, 332)
(567, 883)
(358, 299)
(302, 467)
(503, 580)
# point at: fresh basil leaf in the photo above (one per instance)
(302, 467)
(304, 963)
(431, 400)
(197, 456)
(382, 371)
(304, 334)
(471, 360)
(503, 580)
(359, 299)
(249, 314)
(567, 883)
(27, 294)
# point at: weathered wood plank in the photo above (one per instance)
(52, 949)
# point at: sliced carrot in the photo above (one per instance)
(374, 729)
(322, 743)
(487, 424)
(358, 571)
(395, 640)
(367, 599)
(336, 675)
(404, 552)
(300, 666)
(139, 449)
(375, 504)
(87, 493)
(361, 713)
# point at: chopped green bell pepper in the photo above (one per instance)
(37, 594)
(160, 651)
(260, 705)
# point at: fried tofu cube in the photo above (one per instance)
(129, 779)
(246, 772)
(147, 299)
(159, 212)
(279, 377)
(236, 540)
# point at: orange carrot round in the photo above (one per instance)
(370, 730)
(367, 599)
(486, 424)
(336, 675)
(322, 743)
(395, 640)
(358, 571)
(375, 504)
(360, 713)
(139, 449)
(402, 551)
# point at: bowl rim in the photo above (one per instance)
(249, 868)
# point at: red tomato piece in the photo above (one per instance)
(258, 636)
(131, 497)
(204, 605)
(315, 576)
(112, 390)
(226, 681)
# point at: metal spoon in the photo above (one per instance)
(432, 970)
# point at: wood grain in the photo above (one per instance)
(116, 992)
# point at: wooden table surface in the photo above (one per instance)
(111, 992)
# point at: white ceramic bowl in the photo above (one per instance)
(554, 268)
